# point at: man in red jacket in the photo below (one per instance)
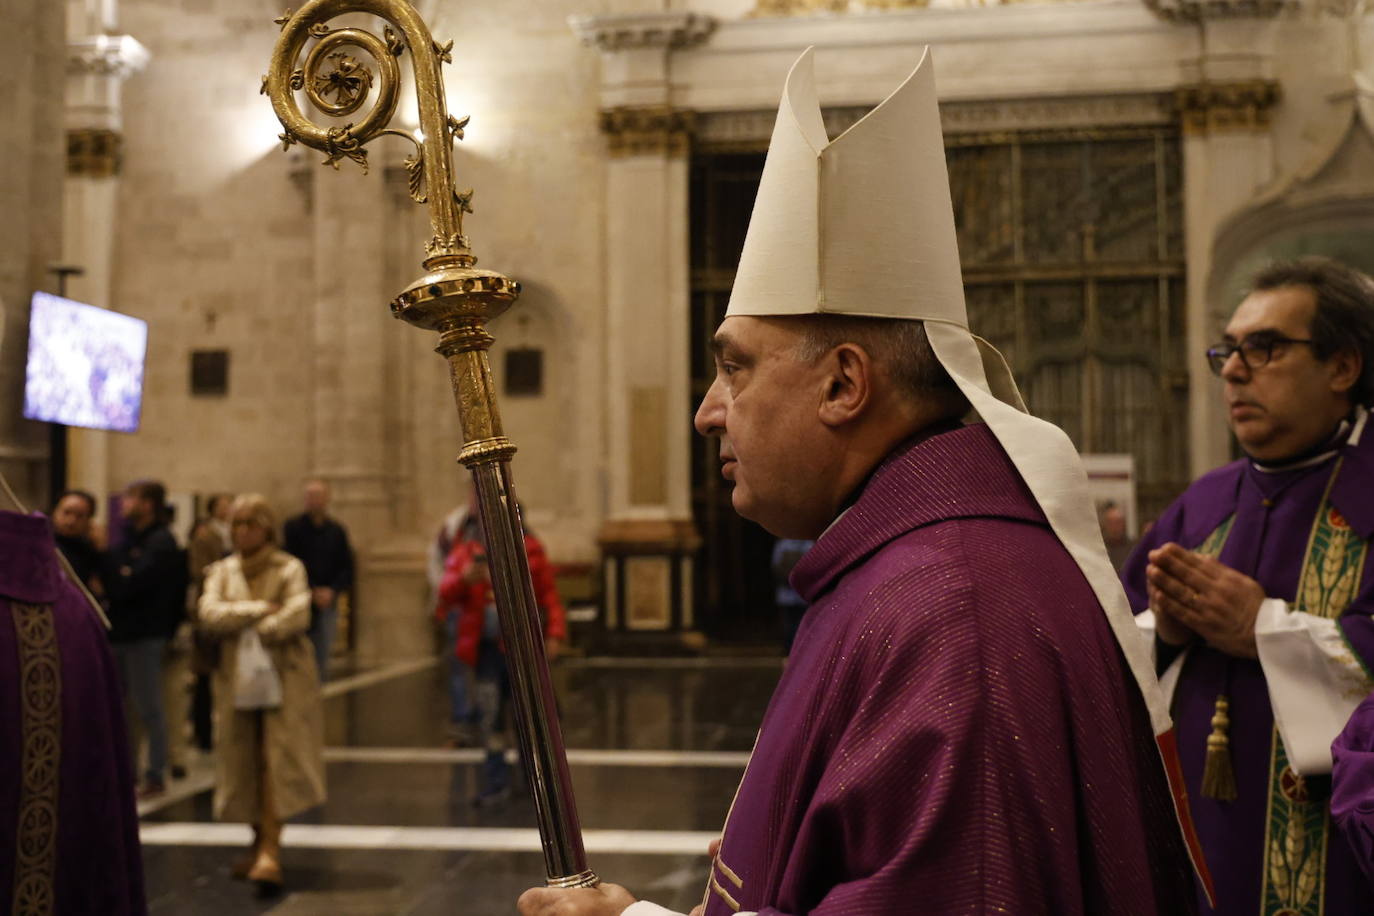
(467, 585)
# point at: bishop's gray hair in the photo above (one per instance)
(898, 345)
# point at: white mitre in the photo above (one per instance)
(864, 225)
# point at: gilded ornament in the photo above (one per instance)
(415, 175)
(341, 144)
(349, 83)
(457, 299)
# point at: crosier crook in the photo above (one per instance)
(457, 300)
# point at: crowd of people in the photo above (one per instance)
(246, 603)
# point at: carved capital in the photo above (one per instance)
(671, 31)
(1207, 107)
(116, 56)
(653, 130)
(94, 152)
(1199, 10)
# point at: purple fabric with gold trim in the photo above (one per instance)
(1352, 785)
(956, 730)
(98, 866)
(1274, 515)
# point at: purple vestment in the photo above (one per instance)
(81, 833)
(1273, 515)
(1352, 785)
(956, 730)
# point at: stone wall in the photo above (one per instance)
(219, 247)
(32, 153)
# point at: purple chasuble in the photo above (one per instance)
(1352, 785)
(956, 730)
(82, 831)
(1273, 515)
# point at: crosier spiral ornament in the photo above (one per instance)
(456, 299)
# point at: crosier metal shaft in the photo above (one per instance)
(456, 299)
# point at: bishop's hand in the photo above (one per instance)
(1193, 593)
(602, 900)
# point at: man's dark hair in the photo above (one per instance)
(1344, 318)
(79, 494)
(155, 493)
(898, 345)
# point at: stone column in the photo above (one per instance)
(98, 62)
(1227, 156)
(32, 45)
(649, 539)
(354, 404)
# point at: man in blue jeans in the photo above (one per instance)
(321, 543)
(146, 579)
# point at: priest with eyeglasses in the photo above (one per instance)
(1258, 585)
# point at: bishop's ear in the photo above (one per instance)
(848, 380)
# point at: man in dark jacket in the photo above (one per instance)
(146, 580)
(322, 545)
(71, 523)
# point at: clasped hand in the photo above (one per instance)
(1194, 596)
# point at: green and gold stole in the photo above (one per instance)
(1298, 821)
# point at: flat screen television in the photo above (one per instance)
(85, 365)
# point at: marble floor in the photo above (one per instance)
(656, 749)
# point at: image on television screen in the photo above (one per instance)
(85, 365)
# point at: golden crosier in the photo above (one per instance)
(456, 299)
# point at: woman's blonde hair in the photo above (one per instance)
(257, 508)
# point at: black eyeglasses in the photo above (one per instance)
(1255, 350)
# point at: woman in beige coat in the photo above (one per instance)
(270, 761)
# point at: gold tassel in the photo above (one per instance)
(1218, 776)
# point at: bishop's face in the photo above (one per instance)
(763, 407)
